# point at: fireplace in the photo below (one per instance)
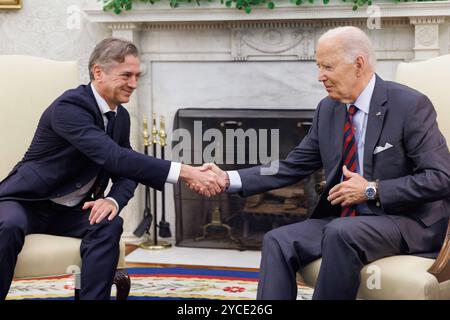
(236, 139)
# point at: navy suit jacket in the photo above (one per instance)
(414, 175)
(70, 147)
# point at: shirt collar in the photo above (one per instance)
(102, 104)
(363, 101)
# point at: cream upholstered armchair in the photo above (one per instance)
(29, 85)
(406, 276)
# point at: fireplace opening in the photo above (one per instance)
(236, 139)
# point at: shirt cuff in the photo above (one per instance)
(235, 181)
(115, 202)
(174, 172)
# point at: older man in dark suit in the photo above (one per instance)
(387, 169)
(81, 142)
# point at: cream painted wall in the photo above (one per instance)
(53, 29)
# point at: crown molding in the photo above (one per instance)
(215, 12)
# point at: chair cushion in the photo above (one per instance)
(33, 83)
(401, 277)
(417, 75)
(46, 255)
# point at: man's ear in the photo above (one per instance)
(97, 72)
(360, 65)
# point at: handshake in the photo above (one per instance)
(207, 180)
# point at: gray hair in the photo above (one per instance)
(353, 42)
(109, 50)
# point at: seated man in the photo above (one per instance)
(82, 141)
(387, 169)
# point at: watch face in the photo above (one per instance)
(370, 193)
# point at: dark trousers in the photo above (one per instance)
(345, 245)
(99, 246)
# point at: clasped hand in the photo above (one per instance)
(207, 180)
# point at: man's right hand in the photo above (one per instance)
(203, 180)
(222, 176)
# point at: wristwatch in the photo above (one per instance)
(371, 192)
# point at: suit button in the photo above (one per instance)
(78, 185)
(378, 203)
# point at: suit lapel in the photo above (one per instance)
(338, 122)
(98, 114)
(340, 111)
(377, 113)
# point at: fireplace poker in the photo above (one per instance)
(155, 195)
(164, 226)
(146, 222)
(155, 244)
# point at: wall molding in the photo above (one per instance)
(217, 12)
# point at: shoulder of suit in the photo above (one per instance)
(81, 96)
(404, 97)
(401, 89)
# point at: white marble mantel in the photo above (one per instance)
(215, 57)
(209, 12)
(429, 18)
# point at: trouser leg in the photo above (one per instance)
(348, 244)
(99, 250)
(15, 223)
(284, 251)
(100, 253)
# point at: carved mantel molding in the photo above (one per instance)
(426, 17)
(214, 12)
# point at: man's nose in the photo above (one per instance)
(132, 83)
(321, 77)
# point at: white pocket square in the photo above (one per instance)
(379, 149)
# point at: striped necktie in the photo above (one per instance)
(350, 154)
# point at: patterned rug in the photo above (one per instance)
(158, 283)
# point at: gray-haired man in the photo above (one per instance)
(387, 169)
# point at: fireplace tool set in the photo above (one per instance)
(148, 217)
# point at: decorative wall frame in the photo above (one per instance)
(10, 4)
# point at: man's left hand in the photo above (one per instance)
(100, 209)
(349, 192)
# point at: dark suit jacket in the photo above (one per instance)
(70, 147)
(414, 175)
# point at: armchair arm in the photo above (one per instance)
(441, 267)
